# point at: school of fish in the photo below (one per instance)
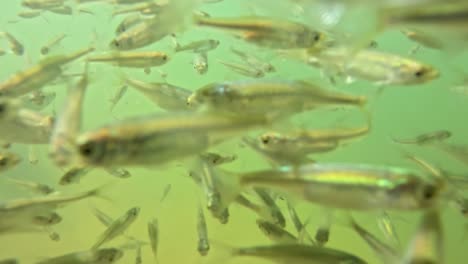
(255, 106)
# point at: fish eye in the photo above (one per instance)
(419, 73)
(429, 192)
(2, 108)
(164, 57)
(317, 37)
(91, 150)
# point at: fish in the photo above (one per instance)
(133, 59)
(105, 219)
(119, 172)
(253, 61)
(388, 229)
(456, 151)
(146, 7)
(47, 219)
(200, 63)
(297, 253)
(118, 96)
(428, 242)
(423, 39)
(63, 10)
(159, 139)
(166, 191)
(350, 186)
(45, 49)
(117, 227)
(203, 241)
(29, 13)
(74, 175)
(266, 32)
(379, 68)
(294, 147)
(39, 75)
(103, 255)
(276, 214)
(138, 258)
(216, 159)
(68, 124)
(269, 98)
(260, 209)
(9, 261)
(426, 138)
(42, 4)
(300, 227)
(276, 233)
(165, 95)
(243, 69)
(217, 199)
(16, 46)
(8, 160)
(18, 215)
(153, 233)
(36, 187)
(149, 31)
(198, 46)
(386, 253)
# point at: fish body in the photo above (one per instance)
(153, 233)
(99, 256)
(74, 175)
(267, 32)
(426, 138)
(129, 59)
(159, 139)
(167, 96)
(117, 227)
(198, 46)
(352, 187)
(38, 75)
(276, 233)
(52, 43)
(203, 241)
(68, 124)
(299, 254)
(200, 63)
(15, 44)
(268, 97)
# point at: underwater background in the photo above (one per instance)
(399, 111)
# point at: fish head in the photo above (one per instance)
(201, 67)
(122, 42)
(417, 193)
(133, 212)
(8, 160)
(8, 108)
(417, 73)
(92, 148)
(310, 38)
(270, 139)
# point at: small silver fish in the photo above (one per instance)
(117, 227)
(203, 241)
(39, 188)
(153, 233)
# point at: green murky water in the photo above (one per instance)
(398, 111)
